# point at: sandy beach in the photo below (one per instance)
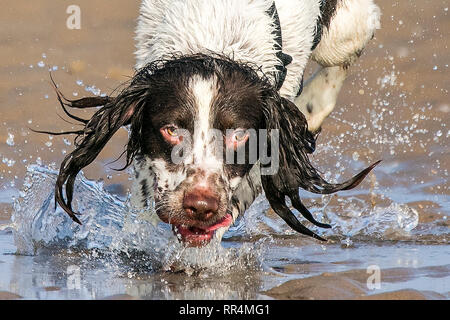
(394, 106)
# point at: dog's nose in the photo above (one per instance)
(200, 204)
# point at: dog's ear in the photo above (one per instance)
(114, 113)
(286, 123)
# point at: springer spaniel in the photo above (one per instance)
(217, 111)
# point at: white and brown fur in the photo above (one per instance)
(242, 30)
(213, 65)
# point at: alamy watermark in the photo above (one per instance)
(374, 280)
(257, 144)
(74, 19)
(73, 277)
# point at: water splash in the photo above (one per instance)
(109, 225)
(351, 217)
(394, 221)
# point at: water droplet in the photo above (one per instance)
(93, 90)
(66, 142)
(8, 162)
(10, 139)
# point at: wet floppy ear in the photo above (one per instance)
(115, 113)
(294, 170)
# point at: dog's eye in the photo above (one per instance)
(237, 138)
(172, 131)
(170, 134)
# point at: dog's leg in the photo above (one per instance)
(319, 95)
(350, 28)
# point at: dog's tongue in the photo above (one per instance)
(225, 222)
(198, 237)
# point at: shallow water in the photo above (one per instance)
(66, 274)
(121, 254)
(393, 107)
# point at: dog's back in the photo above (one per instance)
(244, 31)
(240, 29)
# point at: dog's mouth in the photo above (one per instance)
(194, 236)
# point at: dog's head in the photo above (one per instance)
(198, 124)
(194, 124)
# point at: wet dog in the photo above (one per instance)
(217, 111)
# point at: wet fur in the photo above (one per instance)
(138, 98)
(176, 42)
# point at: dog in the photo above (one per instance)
(215, 81)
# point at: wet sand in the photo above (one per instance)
(352, 284)
(5, 295)
(394, 107)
